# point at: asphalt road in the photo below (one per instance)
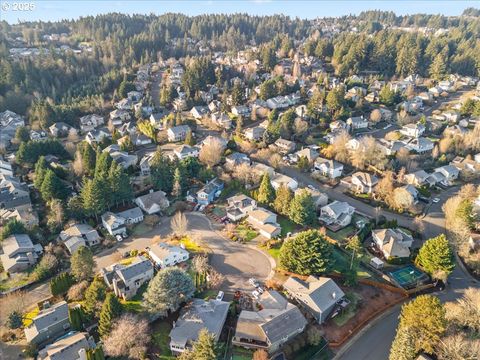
(236, 261)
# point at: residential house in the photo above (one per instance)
(413, 191)
(125, 280)
(357, 123)
(319, 199)
(25, 214)
(239, 206)
(214, 106)
(392, 242)
(265, 222)
(210, 191)
(279, 179)
(124, 104)
(222, 120)
(59, 129)
(310, 153)
(449, 172)
(9, 122)
(134, 96)
(420, 145)
(451, 115)
(254, 133)
(413, 130)
(116, 223)
(96, 136)
(197, 315)
(139, 139)
(329, 168)
(337, 213)
(274, 322)
(72, 347)
(180, 104)
(153, 202)
(337, 125)
(19, 253)
(5, 168)
(185, 151)
(145, 163)
(236, 158)
(241, 110)
(37, 135)
(285, 146)
(198, 112)
(210, 139)
(157, 118)
(164, 255)
(90, 122)
(79, 235)
(418, 178)
(364, 182)
(318, 295)
(118, 117)
(178, 133)
(121, 157)
(51, 322)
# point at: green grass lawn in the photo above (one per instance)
(239, 353)
(342, 235)
(287, 225)
(342, 264)
(161, 340)
(245, 232)
(349, 312)
(207, 294)
(274, 252)
(134, 305)
(308, 352)
(141, 229)
(15, 280)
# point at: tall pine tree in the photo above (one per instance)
(111, 309)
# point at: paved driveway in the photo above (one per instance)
(236, 261)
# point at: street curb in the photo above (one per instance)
(359, 334)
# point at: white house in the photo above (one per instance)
(116, 223)
(279, 179)
(420, 145)
(125, 280)
(153, 202)
(357, 123)
(450, 173)
(337, 213)
(364, 182)
(329, 168)
(178, 133)
(90, 122)
(392, 242)
(413, 130)
(185, 151)
(254, 133)
(164, 255)
(265, 222)
(240, 206)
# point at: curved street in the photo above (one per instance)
(238, 262)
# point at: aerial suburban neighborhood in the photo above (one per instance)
(253, 182)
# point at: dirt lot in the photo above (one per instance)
(370, 301)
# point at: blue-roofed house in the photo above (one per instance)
(210, 191)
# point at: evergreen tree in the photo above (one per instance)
(308, 253)
(53, 187)
(82, 263)
(111, 309)
(167, 290)
(13, 226)
(14, 320)
(239, 126)
(237, 94)
(94, 295)
(438, 68)
(76, 318)
(403, 347)
(303, 164)
(88, 157)
(95, 196)
(425, 318)
(387, 96)
(302, 209)
(41, 168)
(161, 172)
(103, 164)
(205, 348)
(60, 284)
(266, 192)
(120, 187)
(283, 199)
(436, 256)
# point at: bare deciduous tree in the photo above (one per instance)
(77, 291)
(376, 116)
(211, 153)
(200, 263)
(457, 347)
(215, 279)
(133, 346)
(402, 199)
(260, 354)
(78, 164)
(179, 224)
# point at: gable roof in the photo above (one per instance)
(140, 266)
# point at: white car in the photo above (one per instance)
(435, 200)
(311, 187)
(255, 294)
(253, 282)
(220, 295)
(260, 290)
(119, 237)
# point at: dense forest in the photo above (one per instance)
(75, 82)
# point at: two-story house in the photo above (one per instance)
(19, 253)
(165, 255)
(337, 213)
(265, 222)
(50, 323)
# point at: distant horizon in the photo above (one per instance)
(58, 10)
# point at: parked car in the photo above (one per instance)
(255, 294)
(254, 282)
(119, 237)
(220, 295)
(435, 200)
(260, 290)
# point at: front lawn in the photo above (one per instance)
(287, 225)
(141, 229)
(15, 280)
(239, 353)
(341, 236)
(161, 340)
(244, 232)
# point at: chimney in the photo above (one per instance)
(334, 295)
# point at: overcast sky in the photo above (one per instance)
(50, 10)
